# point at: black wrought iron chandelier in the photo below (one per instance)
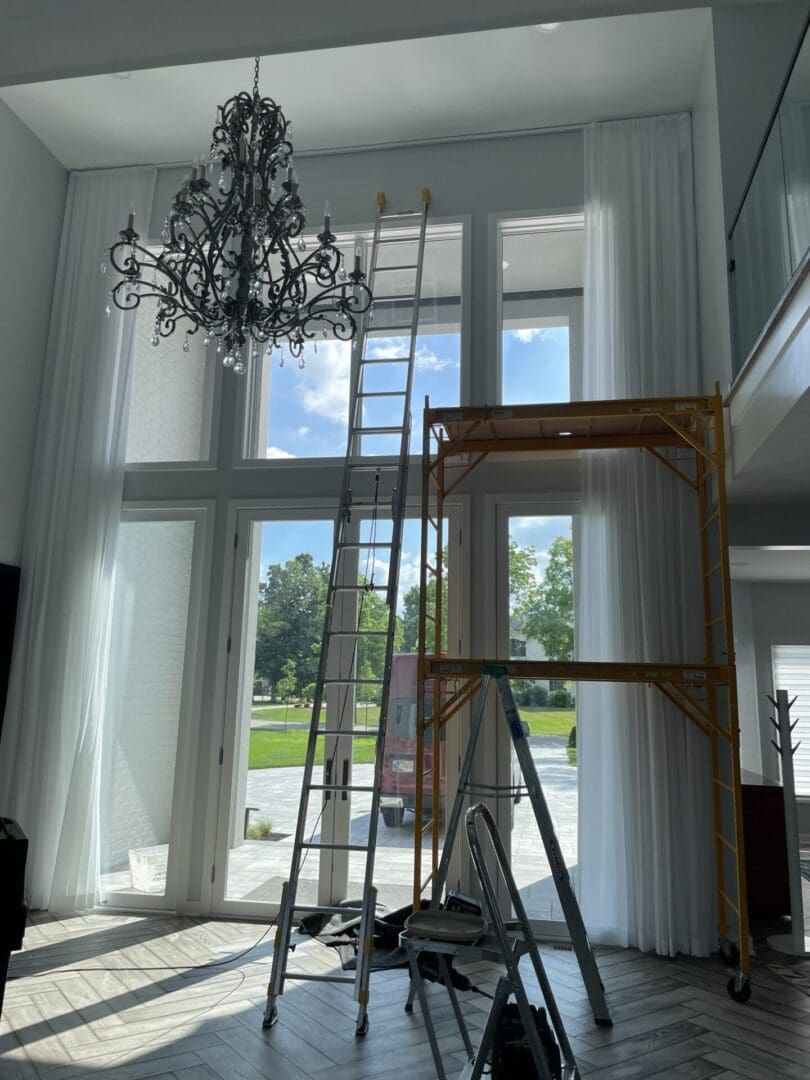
(234, 262)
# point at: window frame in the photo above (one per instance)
(566, 301)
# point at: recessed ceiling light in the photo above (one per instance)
(121, 74)
(548, 27)
(504, 265)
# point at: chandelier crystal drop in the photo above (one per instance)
(234, 262)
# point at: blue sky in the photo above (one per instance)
(535, 365)
(308, 407)
(307, 417)
(281, 540)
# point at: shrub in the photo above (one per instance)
(560, 699)
(572, 736)
(522, 693)
(262, 830)
(539, 695)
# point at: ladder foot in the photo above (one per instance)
(270, 1015)
(739, 988)
(362, 1025)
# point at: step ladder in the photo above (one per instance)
(534, 789)
(373, 492)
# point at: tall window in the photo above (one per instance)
(541, 309)
(171, 395)
(299, 412)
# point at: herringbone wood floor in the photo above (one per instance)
(673, 1018)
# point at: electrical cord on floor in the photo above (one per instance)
(157, 967)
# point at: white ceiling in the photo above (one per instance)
(770, 563)
(395, 91)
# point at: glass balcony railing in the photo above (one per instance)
(770, 238)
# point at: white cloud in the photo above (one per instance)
(427, 360)
(386, 348)
(323, 389)
(302, 431)
(277, 452)
(529, 333)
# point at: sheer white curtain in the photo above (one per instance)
(50, 751)
(645, 876)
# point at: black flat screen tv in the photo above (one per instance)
(9, 593)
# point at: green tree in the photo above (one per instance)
(545, 609)
(371, 650)
(286, 685)
(522, 563)
(410, 612)
(289, 623)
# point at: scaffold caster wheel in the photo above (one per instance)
(739, 988)
(362, 1028)
(729, 953)
(270, 1018)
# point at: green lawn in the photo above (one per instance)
(274, 749)
(549, 721)
(301, 715)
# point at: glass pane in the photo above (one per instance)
(393, 867)
(541, 626)
(794, 122)
(541, 271)
(170, 396)
(288, 571)
(144, 702)
(761, 249)
(303, 412)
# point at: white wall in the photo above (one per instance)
(715, 333)
(753, 47)
(778, 614)
(32, 200)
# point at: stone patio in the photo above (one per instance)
(257, 869)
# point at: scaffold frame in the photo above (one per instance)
(686, 435)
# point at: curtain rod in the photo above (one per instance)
(438, 140)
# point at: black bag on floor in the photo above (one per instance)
(511, 1054)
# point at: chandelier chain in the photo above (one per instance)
(256, 78)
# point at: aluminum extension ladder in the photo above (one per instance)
(375, 502)
(559, 872)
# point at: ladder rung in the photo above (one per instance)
(388, 269)
(385, 360)
(352, 682)
(353, 545)
(377, 430)
(358, 633)
(329, 909)
(367, 467)
(304, 976)
(354, 733)
(340, 787)
(383, 393)
(334, 847)
(397, 215)
(397, 298)
(359, 588)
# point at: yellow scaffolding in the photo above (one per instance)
(686, 436)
